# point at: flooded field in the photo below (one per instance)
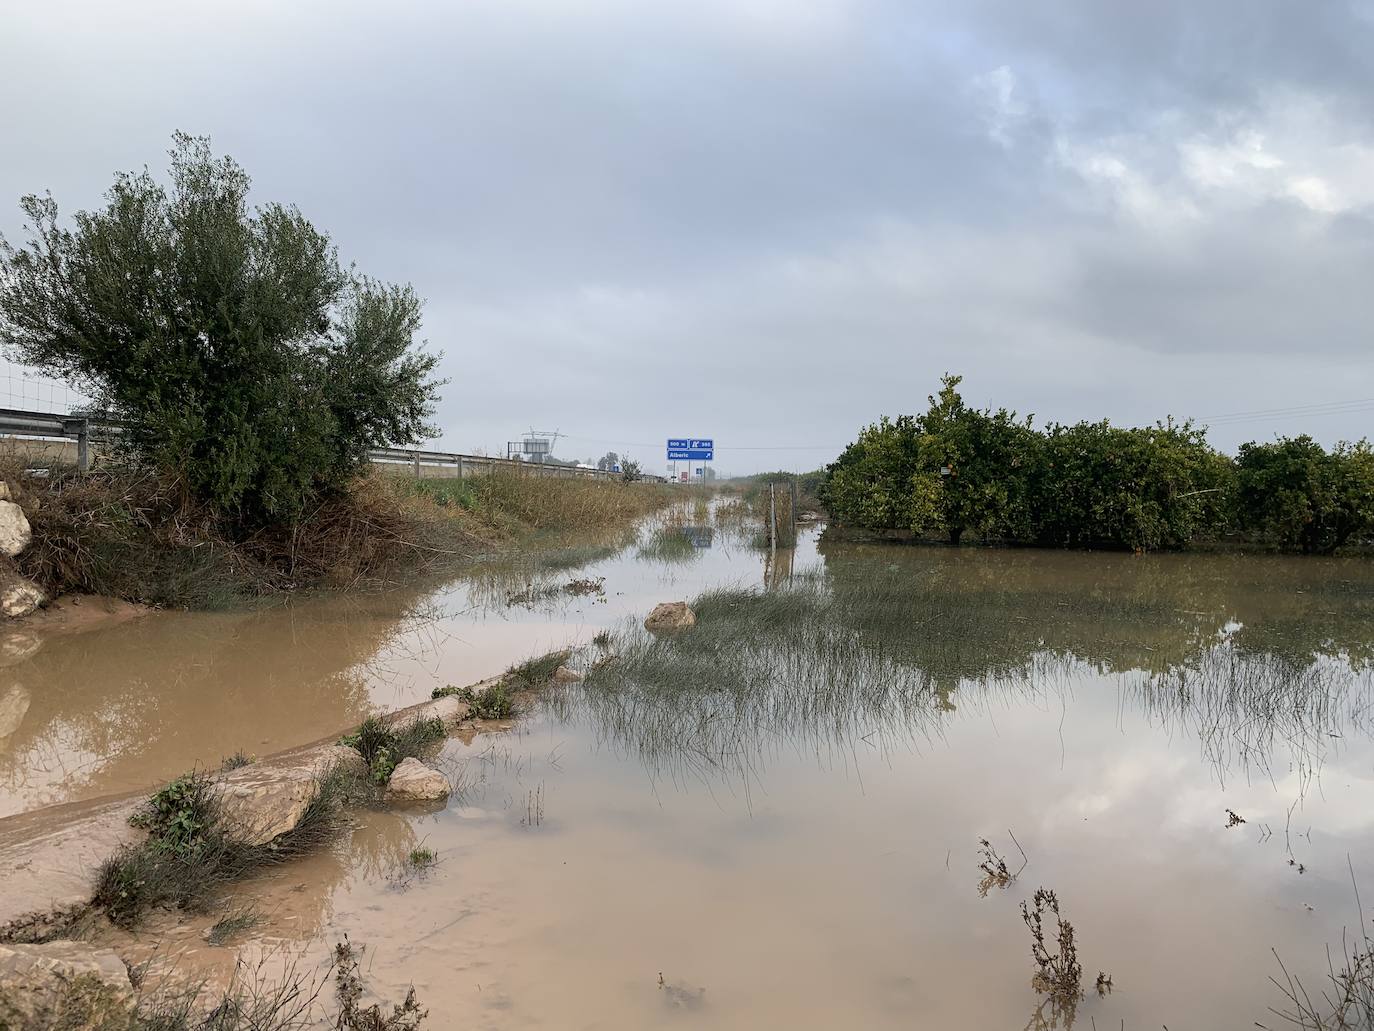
(775, 819)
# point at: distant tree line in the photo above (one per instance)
(961, 473)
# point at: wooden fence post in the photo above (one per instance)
(773, 519)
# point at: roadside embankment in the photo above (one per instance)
(132, 534)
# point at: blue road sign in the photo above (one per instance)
(691, 449)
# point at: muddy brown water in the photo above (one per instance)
(1105, 709)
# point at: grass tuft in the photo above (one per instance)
(236, 761)
(536, 672)
(230, 926)
(384, 745)
(492, 703)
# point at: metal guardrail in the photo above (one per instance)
(17, 423)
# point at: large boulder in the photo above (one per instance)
(413, 781)
(15, 533)
(66, 984)
(669, 616)
(267, 799)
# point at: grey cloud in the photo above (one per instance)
(773, 222)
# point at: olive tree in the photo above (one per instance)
(236, 351)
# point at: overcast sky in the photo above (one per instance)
(772, 221)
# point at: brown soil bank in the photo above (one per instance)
(134, 535)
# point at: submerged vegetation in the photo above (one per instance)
(957, 473)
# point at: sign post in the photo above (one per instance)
(689, 450)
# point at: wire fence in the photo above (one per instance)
(24, 390)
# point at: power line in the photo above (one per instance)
(1319, 408)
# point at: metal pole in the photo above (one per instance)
(415, 461)
(83, 449)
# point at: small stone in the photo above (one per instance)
(413, 781)
(15, 533)
(566, 675)
(669, 616)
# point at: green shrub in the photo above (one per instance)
(953, 471)
(1146, 488)
(236, 350)
(1296, 494)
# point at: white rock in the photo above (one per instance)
(670, 615)
(413, 781)
(20, 597)
(566, 675)
(15, 534)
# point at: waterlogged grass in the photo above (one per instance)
(667, 544)
(230, 926)
(536, 672)
(875, 651)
